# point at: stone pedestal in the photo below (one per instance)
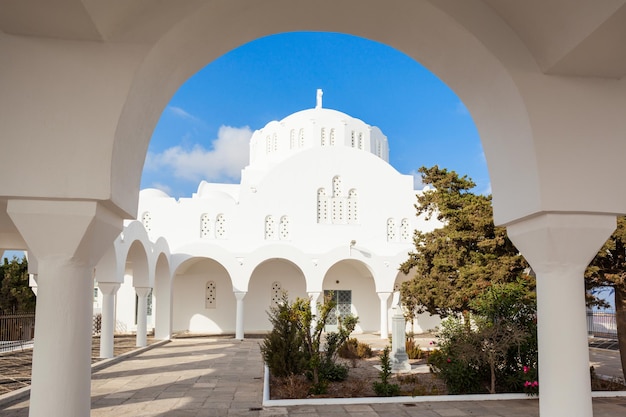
(399, 358)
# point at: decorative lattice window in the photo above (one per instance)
(360, 140)
(353, 209)
(397, 286)
(205, 226)
(268, 144)
(337, 209)
(274, 142)
(332, 137)
(322, 206)
(337, 186)
(146, 220)
(391, 230)
(292, 139)
(405, 233)
(270, 226)
(352, 139)
(277, 293)
(284, 228)
(323, 136)
(211, 295)
(379, 149)
(220, 226)
(301, 138)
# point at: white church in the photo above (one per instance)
(318, 210)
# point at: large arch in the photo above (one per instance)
(544, 82)
(268, 281)
(202, 298)
(354, 279)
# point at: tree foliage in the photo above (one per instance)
(15, 293)
(296, 344)
(454, 264)
(608, 269)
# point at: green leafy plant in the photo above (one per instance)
(384, 388)
(412, 349)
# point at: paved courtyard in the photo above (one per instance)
(223, 377)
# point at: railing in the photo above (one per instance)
(16, 331)
(602, 324)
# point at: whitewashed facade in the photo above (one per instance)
(318, 209)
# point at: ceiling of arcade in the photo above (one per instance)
(580, 38)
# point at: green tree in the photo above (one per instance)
(15, 293)
(608, 269)
(454, 264)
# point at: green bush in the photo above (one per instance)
(282, 347)
(383, 388)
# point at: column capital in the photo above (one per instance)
(551, 241)
(239, 295)
(142, 291)
(108, 288)
(65, 229)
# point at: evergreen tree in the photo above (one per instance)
(454, 264)
(15, 293)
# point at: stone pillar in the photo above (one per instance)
(399, 357)
(384, 316)
(314, 296)
(107, 327)
(67, 238)
(239, 295)
(559, 247)
(142, 315)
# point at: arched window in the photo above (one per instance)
(292, 139)
(220, 226)
(337, 186)
(205, 226)
(210, 295)
(284, 228)
(269, 228)
(268, 144)
(360, 140)
(353, 208)
(332, 137)
(352, 139)
(277, 293)
(323, 136)
(405, 233)
(274, 142)
(322, 206)
(391, 230)
(301, 138)
(146, 220)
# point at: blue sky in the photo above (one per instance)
(204, 130)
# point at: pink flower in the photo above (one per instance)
(526, 369)
(535, 384)
(527, 384)
(449, 360)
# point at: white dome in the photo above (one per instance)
(314, 128)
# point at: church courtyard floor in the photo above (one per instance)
(196, 377)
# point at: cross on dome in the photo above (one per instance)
(318, 103)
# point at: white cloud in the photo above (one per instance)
(224, 162)
(177, 111)
(163, 187)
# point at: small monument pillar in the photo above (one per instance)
(399, 358)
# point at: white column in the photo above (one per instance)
(107, 328)
(559, 247)
(68, 238)
(239, 295)
(142, 315)
(314, 296)
(384, 315)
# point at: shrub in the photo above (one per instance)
(384, 388)
(353, 349)
(282, 347)
(412, 349)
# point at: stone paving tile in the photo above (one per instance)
(223, 378)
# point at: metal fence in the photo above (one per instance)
(602, 324)
(16, 331)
